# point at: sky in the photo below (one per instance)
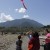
(38, 10)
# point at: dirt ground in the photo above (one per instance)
(8, 42)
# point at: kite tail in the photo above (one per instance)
(24, 6)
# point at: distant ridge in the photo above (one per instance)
(22, 23)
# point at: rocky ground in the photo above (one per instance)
(8, 42)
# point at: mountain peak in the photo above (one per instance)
(21, 22)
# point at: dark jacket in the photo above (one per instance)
(34, 44)
(18, 45)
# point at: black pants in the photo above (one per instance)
(47, 46)
(18, 48)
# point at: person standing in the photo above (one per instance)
(47, 40)
(34, 43)
(19, 43)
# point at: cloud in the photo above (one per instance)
(4, 17)
(16, 10)
(21, 10)
(25, 16)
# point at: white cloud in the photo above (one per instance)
(4, 17)
(25, 16)
(21, 10)
(16, 10)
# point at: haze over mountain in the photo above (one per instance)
(21, 23)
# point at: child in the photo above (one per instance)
(19, 43)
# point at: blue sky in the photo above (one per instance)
(38, 10)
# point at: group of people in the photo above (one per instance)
(34, 41)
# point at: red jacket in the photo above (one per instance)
(34, 44)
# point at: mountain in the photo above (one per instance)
(21, 23)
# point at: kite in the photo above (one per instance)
(23, 4)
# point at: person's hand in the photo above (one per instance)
(43, 40)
